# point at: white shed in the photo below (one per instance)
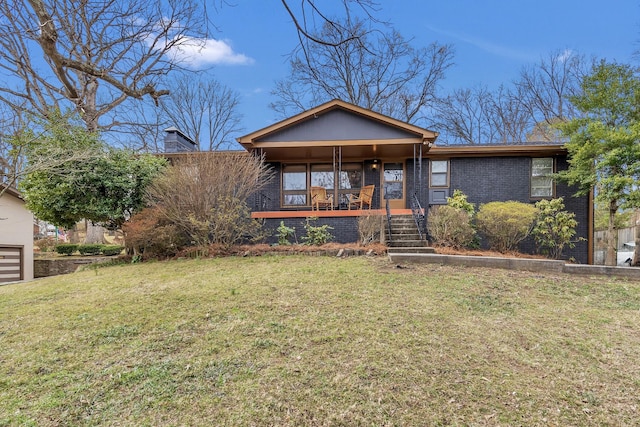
(16, 238)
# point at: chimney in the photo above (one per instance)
(177, 142)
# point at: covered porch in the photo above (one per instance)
(339, 148)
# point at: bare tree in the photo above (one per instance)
(508, 116)
(381, 72)
(93, 55)
(205, 108)
(205, 195)
(545, 88)
(465, 116)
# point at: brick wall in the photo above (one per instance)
(489, 179)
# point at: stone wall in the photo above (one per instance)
(54, 267)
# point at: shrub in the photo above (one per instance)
(93, 249)
(505, 224)
(111, 250)
(204, 195)
(450, 226)
(459, 201)
(369, 228)
(554, 228)
(285, 233)
(66, 248)
(316, 235)
(149, 235)
(47, 244)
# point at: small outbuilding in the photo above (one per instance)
(16, 237)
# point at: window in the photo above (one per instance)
(294, 185)
(322, 176)
(350, 180)
(439, 173)
(541, 181)
(296, 180)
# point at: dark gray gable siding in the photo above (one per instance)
(337, 125)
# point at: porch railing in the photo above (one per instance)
(419, 216)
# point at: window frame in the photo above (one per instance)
(552, 182)
(447, 173)
(337, 191)
(295, 192)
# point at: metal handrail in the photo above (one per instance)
(388, 220)
(418, 216)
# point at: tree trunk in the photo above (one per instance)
(95, 234)
(636, 252)
(611, 258)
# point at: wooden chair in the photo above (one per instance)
(319, 198)
(364, 198)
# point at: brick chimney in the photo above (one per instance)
(177, 142)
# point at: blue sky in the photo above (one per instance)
(493, 40)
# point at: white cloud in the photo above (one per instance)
(202, 53)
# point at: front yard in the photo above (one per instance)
(300, 340)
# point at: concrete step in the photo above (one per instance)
(405, 236)
(407, 243)
(411, 250)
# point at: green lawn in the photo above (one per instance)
(300, 340)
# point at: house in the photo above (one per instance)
(343, 148)
(16, 237)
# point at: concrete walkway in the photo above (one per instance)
(522, 264)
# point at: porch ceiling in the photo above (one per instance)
(324, 153)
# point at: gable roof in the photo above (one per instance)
(11, 191)
(303, 129)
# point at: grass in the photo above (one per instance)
(298, 340)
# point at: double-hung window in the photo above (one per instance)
(294, 185)
(541, 177)
(439, 173)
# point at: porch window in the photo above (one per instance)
(294, 185)
(350, 180)
(439, 173)
(541, 180)
(322, 176)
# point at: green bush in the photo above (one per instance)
(316, 235)
(459, 201)
(450, 226)
(554, 228)
(110, 250)
(66, 248)
(93, 249)
(285, 233)
(505, 224)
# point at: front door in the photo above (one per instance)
(393, 185)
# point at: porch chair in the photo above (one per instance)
(319, 198)
(364, 198)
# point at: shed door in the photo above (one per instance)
(10, 264)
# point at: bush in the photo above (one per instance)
(554, 228)
(316, 235)
(451, 226)
(47, 244)
(459, 201)
(285, 233)
(505, 224)
(66, 248)
(93, 249)
(111, 250)
(149, 235)
(369, 228)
